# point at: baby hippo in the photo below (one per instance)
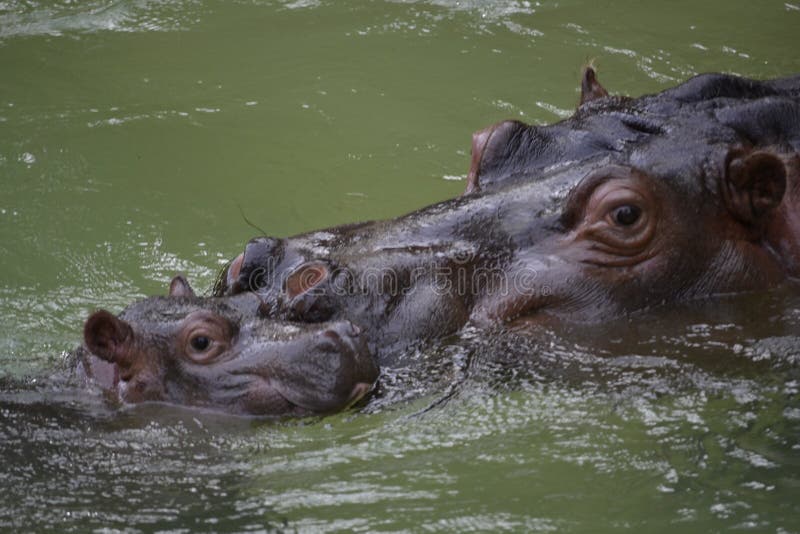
(219, 353)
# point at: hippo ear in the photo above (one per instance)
(305, 278)
(179, 287)
(590, 87)
(491, 147)
(753, 185)
(107, 336)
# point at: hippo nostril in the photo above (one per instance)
(341, 338)
(355, 330)
(349, 329)
(332, 335)
(343, 330)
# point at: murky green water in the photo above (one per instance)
(135, 134)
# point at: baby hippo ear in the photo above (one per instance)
(107, 336)
(753, 185)
(179, 287)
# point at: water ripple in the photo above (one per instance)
(28, 18)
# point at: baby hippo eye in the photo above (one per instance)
(200, 343)
(205, 336)
(626, 215)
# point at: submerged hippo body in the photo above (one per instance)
(220, 354)
(629, 204)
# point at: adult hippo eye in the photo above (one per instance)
(200, 343)
(626, 215)
(619, 217)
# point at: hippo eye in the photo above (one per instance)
(200, 343)
(205, 336)
(626, 215)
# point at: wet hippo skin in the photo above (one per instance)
(631, 203)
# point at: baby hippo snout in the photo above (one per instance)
(334, 371)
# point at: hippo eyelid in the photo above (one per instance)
(577, 198)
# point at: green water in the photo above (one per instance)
(134, 135)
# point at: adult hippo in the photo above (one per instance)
(629, 204)
(220, 354)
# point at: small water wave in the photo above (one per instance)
(486, 10)
(28, 18)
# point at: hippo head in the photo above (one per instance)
(686, 194)
(629, 204)
(220, 354)
(623, 239)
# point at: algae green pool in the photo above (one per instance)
(137, 135)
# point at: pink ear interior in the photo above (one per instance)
(479, 141)
(106, 336)
(179, 287)
(306, 277)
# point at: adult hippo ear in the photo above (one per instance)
(108, 337)
(307, 293)
(590, 87)
(753, 185)
(179, 287)
(492, 148)
(512, 149)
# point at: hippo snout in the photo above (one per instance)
(334, 370)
